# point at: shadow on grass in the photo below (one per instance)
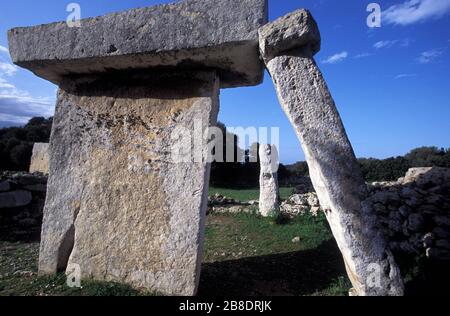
(296, 273)
(433, 279)
(20, 234)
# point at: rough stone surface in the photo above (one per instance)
(419, 231)
(219, 34)
(334, 171)
(300, 204)
(40, 158)
(269, 198)
(117, 203)
(15, 199)
(24, 221)
(4, 186)
(429, 176)
(297, 29)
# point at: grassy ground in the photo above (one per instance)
(250, 255)
(246, 195)
(18, 276)
(244, 255)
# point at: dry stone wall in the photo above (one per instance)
(22, 198)
(414, 212)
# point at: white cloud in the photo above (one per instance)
(385, 44)
(413, 11)
(405, 42)
(17, 106)
(3, 49)
(390, 43)
(6, 85)
(7, 69)
(12, 120)
(362, 55)
(336, 58)
(401, 76)
(429, 56)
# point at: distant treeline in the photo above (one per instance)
(16, 144)
(390, 169)
(393, 168)
(243, 172)
(246, 174)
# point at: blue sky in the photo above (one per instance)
(391, 84)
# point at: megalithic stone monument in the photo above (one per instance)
(39, 158)
(269, 197)
(118, 207)
(288, 46)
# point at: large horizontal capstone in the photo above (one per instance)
(190, 34)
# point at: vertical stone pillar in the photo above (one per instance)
(117, 203)
(39, 158)
(269, 197)
(288, 46)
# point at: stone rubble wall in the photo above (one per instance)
(413, 212)
(300, 204)
(22, 198)
(219, 204)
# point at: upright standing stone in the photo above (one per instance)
(269, 198)
(287, 46)
(117, 203)
(118, 206)
(40, 158)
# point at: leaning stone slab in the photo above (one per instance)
(117, 205)
(269, 199)
(39, 158)
(287, 46)
(190, 34)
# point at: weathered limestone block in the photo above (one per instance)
(190, 34)
(117, 203)
(337, 179)
(431, 176)
(40, 158)
(269, 198)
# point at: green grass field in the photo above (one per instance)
(250, 255)
(246, 195)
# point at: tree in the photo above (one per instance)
(16, 143)
(426, 157)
